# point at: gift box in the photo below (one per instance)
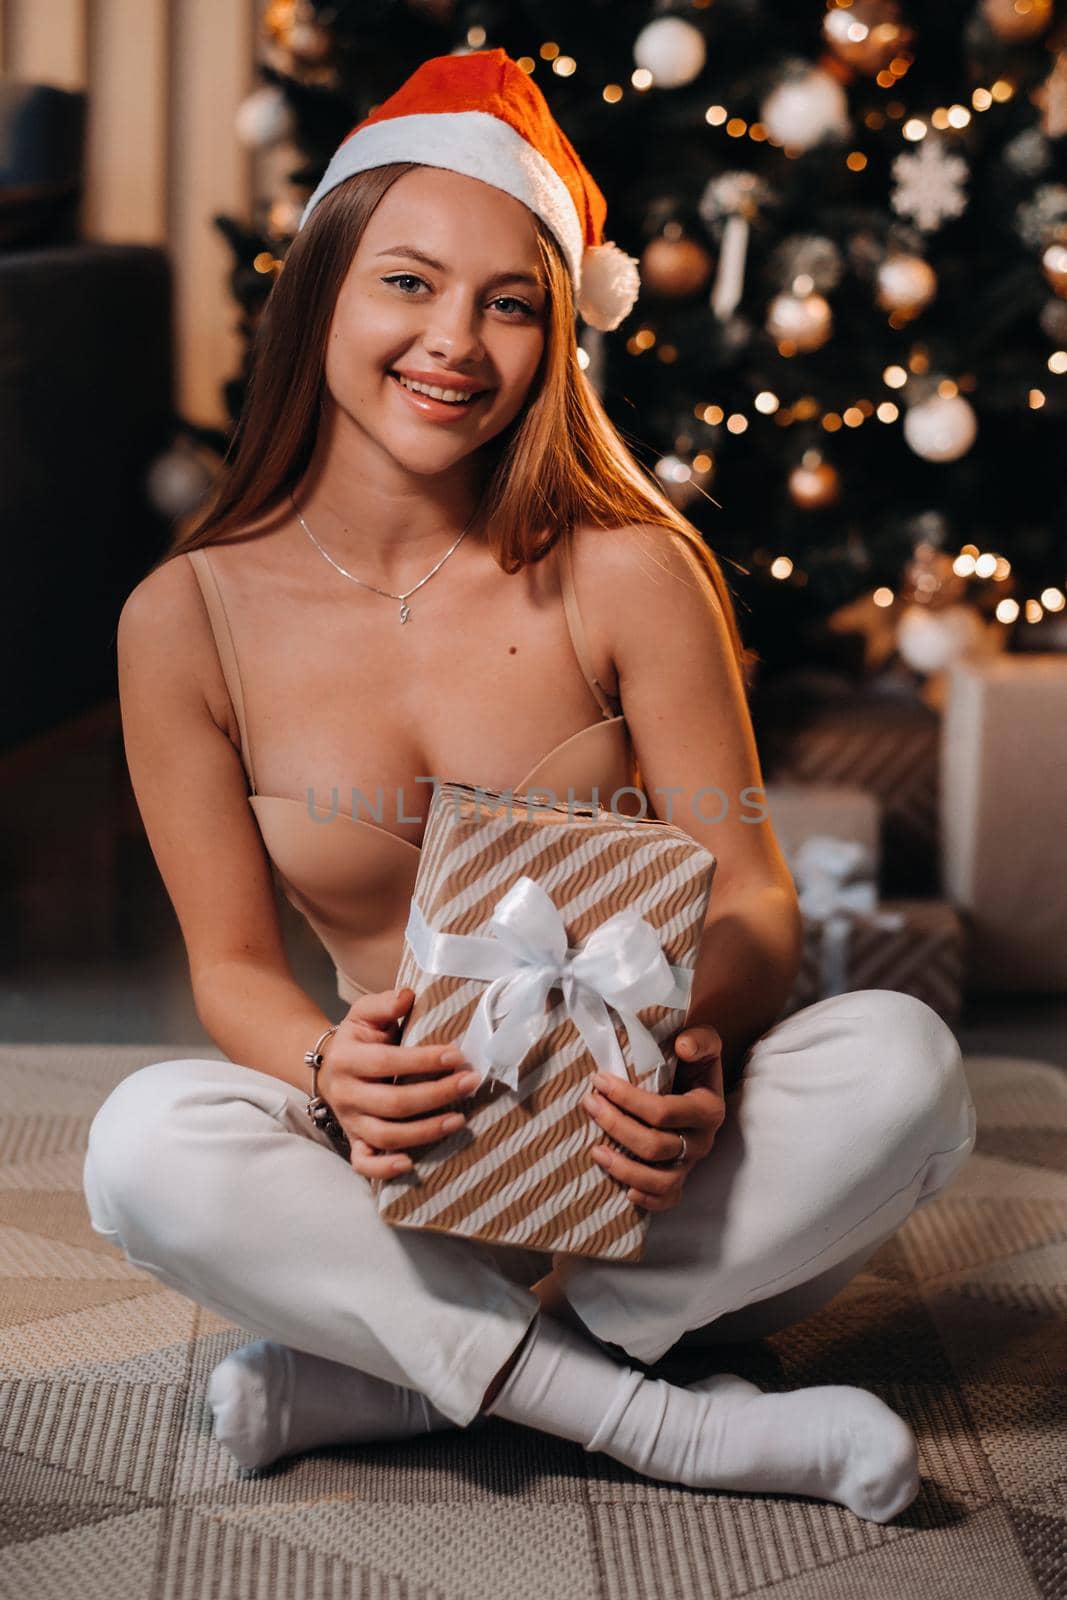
(811, 732)
(547, 942)
(851, 941)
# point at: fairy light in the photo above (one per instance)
(549, 50)
(948, 388)
(886, 411)
(612, 93)
(964, 565)
(1057, 361)
(780, 567)
(736, 422)
(716, 115)
(1002, 90)
(883, 596)
(641, 78)
(1053, 599)
(1006, 610)
(1036, 399)
(1033, 611)
(766, 402)
(981, 99)
(894, 377)
(476, 37)
(855, 161)
(914, 129)
(526, 64)
(564, 66)
(986, 565)
(852, 417)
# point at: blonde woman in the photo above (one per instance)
(431, 556)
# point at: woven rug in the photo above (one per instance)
(113, 1487)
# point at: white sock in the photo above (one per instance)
(833, 1441)
(269, 1401)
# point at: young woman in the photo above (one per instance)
(432, 557)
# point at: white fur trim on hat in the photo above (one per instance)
(473, 143)
(609, 287)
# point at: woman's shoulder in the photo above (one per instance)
(164, 628)
(629, 558)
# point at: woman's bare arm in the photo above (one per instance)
(190, 787)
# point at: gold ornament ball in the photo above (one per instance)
(805, 321)
(813, 487)
(1054, 266)
(1014, 20)
(675, 267)
(278, 18)
(905, 284)
(867, 35)
(309, 43)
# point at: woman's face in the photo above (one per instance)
(445, 290)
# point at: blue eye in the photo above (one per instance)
(397, 277)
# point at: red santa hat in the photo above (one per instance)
(478, 113)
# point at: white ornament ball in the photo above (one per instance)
(805, 321)
(672, 50)
(905, 283)
(177, 481)
(801, 111)
(942, 428)
(264, 118)
(929, 641)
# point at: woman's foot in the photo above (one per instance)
(833, 1441)
(269, 1401)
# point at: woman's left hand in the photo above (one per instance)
(648, 1124)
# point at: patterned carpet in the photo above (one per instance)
(113, 1487)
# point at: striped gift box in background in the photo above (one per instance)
(519, 1172)
(924, 956)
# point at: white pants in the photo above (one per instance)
(211, 1177)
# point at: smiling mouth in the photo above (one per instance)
(448, 397)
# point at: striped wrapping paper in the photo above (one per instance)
(520, 1172)
(925, 957)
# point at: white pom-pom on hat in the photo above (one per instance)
(609, 286)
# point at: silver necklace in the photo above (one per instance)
(405, 609)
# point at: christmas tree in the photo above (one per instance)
(847, 361)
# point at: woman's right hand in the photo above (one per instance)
(359, 1062)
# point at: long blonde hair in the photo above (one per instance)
(558, 464)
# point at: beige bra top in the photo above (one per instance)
(352, 879)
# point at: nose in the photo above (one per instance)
(452, 333)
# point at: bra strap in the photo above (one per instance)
(220, 628)
(577, 630)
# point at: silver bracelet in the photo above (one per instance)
(319, 1110)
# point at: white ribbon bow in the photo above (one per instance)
(822, 868)
(525, 955)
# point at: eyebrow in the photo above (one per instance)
(437, 266)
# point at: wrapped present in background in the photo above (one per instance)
(852, 942)
(547, 942)
(813, 729)
(843, 811)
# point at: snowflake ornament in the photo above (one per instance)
(929, 184)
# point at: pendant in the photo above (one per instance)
(405, 611)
